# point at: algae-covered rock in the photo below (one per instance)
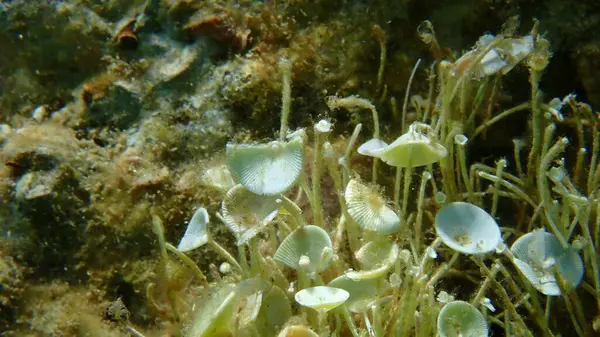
(119, 106)
(12, 286)
(48, 48)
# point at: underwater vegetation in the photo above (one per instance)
(153, 196)
(436, 259)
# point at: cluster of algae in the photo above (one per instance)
(379, 268)
(310, 243)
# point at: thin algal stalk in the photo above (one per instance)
(407, 95)
(499, 117)
(442, 270)
(188, 262)
(511, 187)
(225, 254)
(406, 192)
(477, 102)
(381, 37)
(596, 242)
(492, 100)
(317, 206)
(345, 161)
(286, 96)
(570, 307)
(534, 308)
(591, 250)
(431, 79)
(397, 181)
(537, 121)
(461, 142)
(502, 292)
(352, 102)
(349, 320)
(419, 221)
(447, 164)
(579, 163)
(505, 176)
(486, 284)
(500, 165)
(517, 156)
(159, 231)
(294, 211)
(306, 188)
(330, 162)
(594, 159)
(543, 189)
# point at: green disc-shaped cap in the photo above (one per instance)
(460, 318)
(467, 228)
(538, 255)
(376, 258)
(246, 213)
(369, 209)
(362, 292)
(322, 297)
(372, 148)
(269, 168)
(307, 243)
(196, 234)
(415, 148)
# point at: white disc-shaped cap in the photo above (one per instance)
(369, 209)
(467, 228)
(306, 243)
(372, 148)
(414, 148)
(376, 258)
(266, 169)
(538, 254)
(196, 233)
(362, 292)
(246, 213)
(321, 297)
(460, 318)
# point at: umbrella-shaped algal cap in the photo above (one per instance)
(538, 255)
(372, 148)
(459, 318)
(311, 244)
(267, 169)
(417, 147)
(467, 228)
(362, 292)
(375, 258)
(246, 213)
(369, 209)
(196, 234)
(322, 297)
